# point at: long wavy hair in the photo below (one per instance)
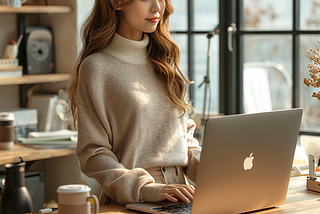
(97, 33)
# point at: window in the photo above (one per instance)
(266, 68)
(267, 48)
(278, 32)
(190, 24)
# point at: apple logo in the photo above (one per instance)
(248, 162)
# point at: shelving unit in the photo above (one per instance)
(33, 79)
(35, 9)
(26, 81)
(44, 78)
(65, 18)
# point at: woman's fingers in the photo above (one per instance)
(190, 189)
(181, 193)
(175, 192)
(186, 192)
(166, 196)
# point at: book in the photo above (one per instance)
(10, 72)
(55, 139)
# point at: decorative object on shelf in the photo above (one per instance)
(40, 50)
(62, 117)
(15, 3)
(9, 67)
(314, 69)
(12, 49)
(15, 197)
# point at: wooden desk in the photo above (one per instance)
(299, 201)
(31, 154)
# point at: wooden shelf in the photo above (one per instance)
(35, 9)
(31, 154)
(40, 78)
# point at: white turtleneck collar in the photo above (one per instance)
(130, 51)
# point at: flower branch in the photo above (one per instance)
(314, 70)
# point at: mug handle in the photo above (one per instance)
(96, 203)
(23, 1)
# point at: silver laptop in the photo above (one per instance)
(245, 164)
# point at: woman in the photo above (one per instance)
(128, 98)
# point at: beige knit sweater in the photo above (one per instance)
(126, 123)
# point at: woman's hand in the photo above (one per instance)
(175, 192)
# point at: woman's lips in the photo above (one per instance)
(153, 20)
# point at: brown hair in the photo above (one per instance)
(163, 53)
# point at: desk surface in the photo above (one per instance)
(299, 201)
(31, 154)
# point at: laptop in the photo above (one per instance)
(245, 164)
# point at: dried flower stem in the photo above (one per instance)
(314, 69)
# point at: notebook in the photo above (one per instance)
(245, 163)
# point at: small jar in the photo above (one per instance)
(6, 130)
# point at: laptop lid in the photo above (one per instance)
(246, 161)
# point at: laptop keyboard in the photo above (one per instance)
(179, 208)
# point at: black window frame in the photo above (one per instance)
(231, 63)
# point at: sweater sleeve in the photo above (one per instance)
(194, 152)
(95, 155)
(98, 161)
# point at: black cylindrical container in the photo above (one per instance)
(6, 130)
(15, 197)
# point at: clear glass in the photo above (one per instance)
(267, 72)
(200, 56)
(206, 15)
(179, 19)
(309, 15)
(267, 15)
(182, 42)
(310, 105)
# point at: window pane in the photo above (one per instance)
(309, 15)
(267, 72)
(206, 14)
(310, 105)
(267, 15)
(182, 41)
(200, 71)
(179, 19)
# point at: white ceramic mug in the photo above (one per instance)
(75, 199)
(16, 3)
